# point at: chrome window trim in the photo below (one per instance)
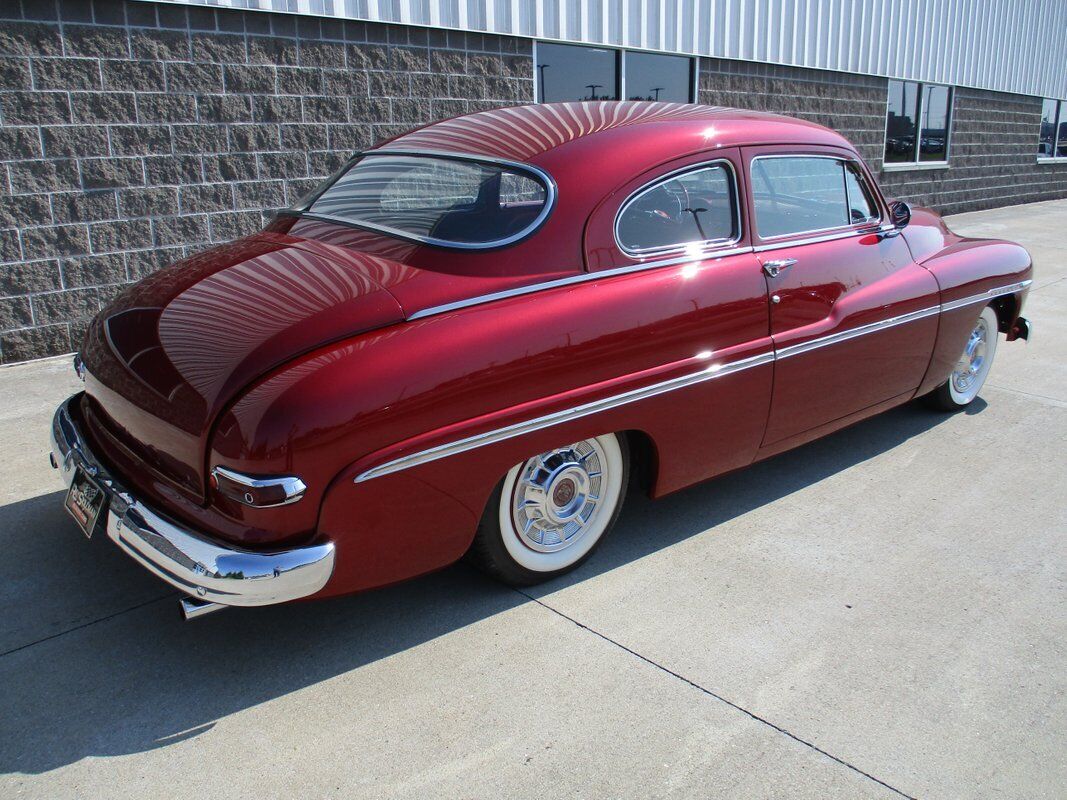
(583, 277)
(846, 234)
(716, 370)
(548, 420)
(547, 181)
(848, 229)
(682, 247)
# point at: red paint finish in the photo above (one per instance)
(294, 352)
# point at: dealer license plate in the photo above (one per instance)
(85, 501)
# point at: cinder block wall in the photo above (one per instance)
(992, 143)
(133, 134)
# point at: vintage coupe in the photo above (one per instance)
(468, 338)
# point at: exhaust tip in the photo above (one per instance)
(192, 608)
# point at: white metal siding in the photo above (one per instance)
(1005, 45)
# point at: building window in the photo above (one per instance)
(1053, 138)
(917, 123)
(568, 72)
(651, 76)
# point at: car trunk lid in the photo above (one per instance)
(171, 351)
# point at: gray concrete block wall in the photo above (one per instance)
(853, 105)
(992, 143)
(133, 134)
(992, 158)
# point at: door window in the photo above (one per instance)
(806, 194)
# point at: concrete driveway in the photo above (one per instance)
(882, 613)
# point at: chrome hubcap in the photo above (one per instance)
(557, 494)
(974, 355)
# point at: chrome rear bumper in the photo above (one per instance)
(190, 561)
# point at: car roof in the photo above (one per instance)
(648, 130)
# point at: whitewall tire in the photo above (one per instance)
(972, 368)
(552, 510)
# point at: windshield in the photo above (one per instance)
(437, 199)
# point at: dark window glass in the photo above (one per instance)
(861, 205)
(933, 144)
(798, 194)
(443, 199)
(694, 207)
(901, 119)
(1061, 139)
(568, 72)
(650, 76)
(1046, 145)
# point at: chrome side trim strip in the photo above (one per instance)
(853, 333)
(584, 277)
(584, 410)
(989, 294)
(714, 371)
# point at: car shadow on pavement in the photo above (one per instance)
(129, 676)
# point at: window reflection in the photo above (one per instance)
(861, 205)
(693, 208)
(650, 76)
(900, 124)
(933, 143)
(798, 194)
(1061, 139)
(917, 122)
(568, 72)
(1046, 145)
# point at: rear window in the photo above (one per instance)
(437, 199)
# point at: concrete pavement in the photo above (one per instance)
(878, 614)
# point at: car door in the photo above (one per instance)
(678, 234)
(852, 316)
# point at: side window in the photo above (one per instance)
(861, 205)
(803, 194)
(695, 207)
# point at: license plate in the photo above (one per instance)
(85, 501)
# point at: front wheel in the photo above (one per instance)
(970, 371)
(551, 511)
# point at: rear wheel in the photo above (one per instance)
(551, 511)
(970, 372)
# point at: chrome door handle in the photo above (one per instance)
(775, 268)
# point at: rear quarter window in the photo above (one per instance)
(697, 207)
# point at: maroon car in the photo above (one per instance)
(466, 340)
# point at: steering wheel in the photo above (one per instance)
(667, 203)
